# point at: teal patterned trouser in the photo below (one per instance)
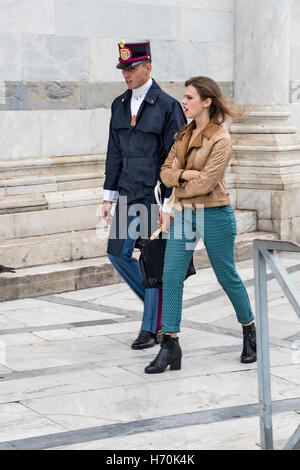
(217, 228)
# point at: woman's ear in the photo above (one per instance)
(207, 102)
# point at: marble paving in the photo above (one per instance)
(69, 379)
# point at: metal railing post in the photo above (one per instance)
(263, 253)
(263, 356)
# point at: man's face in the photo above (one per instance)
(136, 77)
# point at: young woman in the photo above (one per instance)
(196, 167)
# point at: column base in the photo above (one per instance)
(265, 169)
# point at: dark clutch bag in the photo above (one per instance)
(152, 261)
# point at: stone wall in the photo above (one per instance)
(58, 58)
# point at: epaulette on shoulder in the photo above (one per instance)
(120, 98)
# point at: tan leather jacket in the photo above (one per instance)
(209, 153)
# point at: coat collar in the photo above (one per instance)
(153, 93)
(151, 96)
(142, 91)
(210, 129)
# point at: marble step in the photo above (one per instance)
(74, 245)
(81, 274)
(50, 200)
(50, 221)
(51, 249)
(26, 176)
(51, 166)
(28, 185)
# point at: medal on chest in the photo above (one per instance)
(133, 120)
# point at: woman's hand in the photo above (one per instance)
(175, 164)
(189, 175)
(165, 221)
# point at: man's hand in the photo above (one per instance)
(189, 175)
(105, 211)
(165, 220)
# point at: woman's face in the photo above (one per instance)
(193, 105)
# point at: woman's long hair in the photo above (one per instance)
(220, 109)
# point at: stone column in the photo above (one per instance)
(265, 170)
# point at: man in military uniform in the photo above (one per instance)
(143, 123)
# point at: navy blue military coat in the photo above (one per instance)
(136, 153)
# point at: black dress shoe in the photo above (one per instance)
(249, 344)
(170, 354)
(145, 339)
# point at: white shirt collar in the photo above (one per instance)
(143, 90)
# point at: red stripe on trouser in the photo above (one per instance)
(159, 310)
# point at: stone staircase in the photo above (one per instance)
(49, 210)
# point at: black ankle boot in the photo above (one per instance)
(169, 355)
(145, 339)
(249, 344)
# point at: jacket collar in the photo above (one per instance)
(210, 129)
(184, 146)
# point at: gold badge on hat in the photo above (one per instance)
(122, 44)
(125, 53)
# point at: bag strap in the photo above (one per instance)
(157, 194)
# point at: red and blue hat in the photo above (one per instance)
(133, 54)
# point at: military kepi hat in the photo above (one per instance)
(133, 53)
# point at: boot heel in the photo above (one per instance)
(176, 364)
